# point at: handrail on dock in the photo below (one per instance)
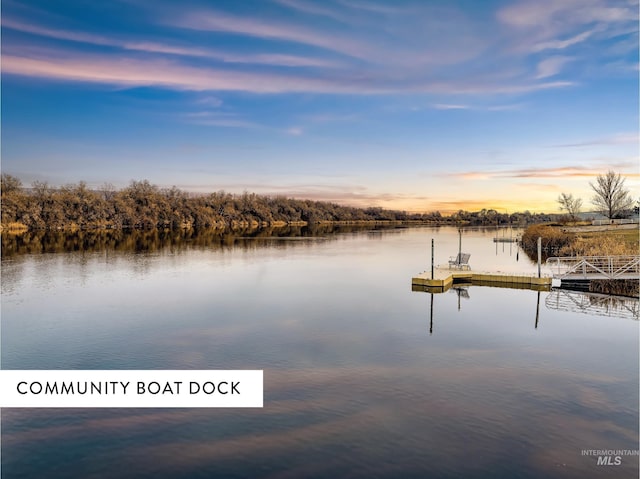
(595, 267)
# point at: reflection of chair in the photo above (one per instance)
(461, 292)
(460, 261)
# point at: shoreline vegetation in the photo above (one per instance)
(576, 241)
(142, 205)
(564, 241)
(143, 216)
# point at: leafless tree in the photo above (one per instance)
(107, 191)
(9, 183)
(570, 204)
(611, 197)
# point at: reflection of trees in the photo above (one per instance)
(590, 303)
(134, 240)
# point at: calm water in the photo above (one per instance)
(509, 383)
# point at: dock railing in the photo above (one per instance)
(595, 267)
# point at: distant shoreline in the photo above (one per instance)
(143, 205)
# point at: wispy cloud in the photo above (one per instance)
(210, 101)
(620, 138)
(562, 44)
(563, 172)
(404, 49)
(314, 9)
(332, 117)
(551, 66)
(592, 32)
(460, 106)
(218, 21)
(294, 131)
(576, 12)
(471, 87)
(83, 37)
(278, 59)
(506, 107)
(449, 106)
(227, 123)
(410, 41)
(217, 118)
(125, 71)
(537, 187)
(557, 172)
(378, 8)
(131, 71)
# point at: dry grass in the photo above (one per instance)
(14, 227)
(623, 242)
(553, 238)
(582, 243)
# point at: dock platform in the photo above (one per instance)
(444, 278)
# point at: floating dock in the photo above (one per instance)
(505, 240)
(444, 278)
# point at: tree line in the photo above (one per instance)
(142, 205)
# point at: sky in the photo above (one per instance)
(416, 105)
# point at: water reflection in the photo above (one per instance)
(505, 239)
(592, 303)
(36, 242)
(560, 300)
(455, 420)
(462, 292)
(354, 385)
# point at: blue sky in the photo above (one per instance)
(416, 105)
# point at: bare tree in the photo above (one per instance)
(570, 204)
(9, 183)
(611, 197)
(107, 191)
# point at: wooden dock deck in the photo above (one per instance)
(444, 278)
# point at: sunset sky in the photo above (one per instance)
(417, 105)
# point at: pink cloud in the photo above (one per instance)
(134, 72)
(554, 172)
(163, 48)
(129, 71)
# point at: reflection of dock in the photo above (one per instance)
(443, 279)
(463, 293)
(599, 304)
(505, 240)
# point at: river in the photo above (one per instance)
(363, 377)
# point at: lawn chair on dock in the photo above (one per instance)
(460, 261)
